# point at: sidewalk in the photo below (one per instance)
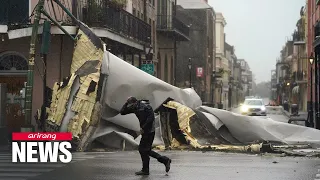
(302, 114)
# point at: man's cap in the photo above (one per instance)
(132, 100)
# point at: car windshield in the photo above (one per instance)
(253, 102)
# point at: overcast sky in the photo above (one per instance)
(258, 29)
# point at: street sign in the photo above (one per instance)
(148, 68)
(199, 71)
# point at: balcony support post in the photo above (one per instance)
(32, 54)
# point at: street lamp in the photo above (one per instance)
(189, 66)
(310, 114)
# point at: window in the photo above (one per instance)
(149, 21)
(253, 102)
(134, 12)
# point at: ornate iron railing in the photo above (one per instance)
(13, 12)
(171, 23)
(103, 13)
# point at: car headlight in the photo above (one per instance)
(263, 108)
(244, 109)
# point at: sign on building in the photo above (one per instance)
(199, 72)
(148, 67)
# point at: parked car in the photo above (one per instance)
(253, 107)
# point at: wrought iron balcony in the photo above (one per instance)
(100, 13)
(298, 38)
(172, 27)
(14, 12)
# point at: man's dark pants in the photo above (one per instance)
(145, 150)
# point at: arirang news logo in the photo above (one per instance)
(41, 147)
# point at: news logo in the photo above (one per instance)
(41, 147)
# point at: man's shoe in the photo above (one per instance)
(167, 164)
(142, 173)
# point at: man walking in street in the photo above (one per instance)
(145, 114)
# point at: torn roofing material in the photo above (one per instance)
(96, 91)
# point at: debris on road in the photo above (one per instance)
(87, 103)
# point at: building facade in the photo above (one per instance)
(246, 77)
(200, 51)
(313, 50)
(126, 36)
(170, 31)
(221, 63)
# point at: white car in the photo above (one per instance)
(253, 107)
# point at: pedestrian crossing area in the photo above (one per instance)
(25, 171)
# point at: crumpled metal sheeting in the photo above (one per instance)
(84, 51)
(129, 121)
(120, 125)
(205, 131)
(82, 105)
(118, 140)
(108, 134)
(60, 98)
(184, 114)
(249, 129)
(125, 80)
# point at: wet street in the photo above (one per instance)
(185, 166)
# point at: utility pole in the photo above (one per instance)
(29, 88)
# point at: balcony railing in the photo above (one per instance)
(298, 36)
(14, 12)
(100, 13)
(171, 23)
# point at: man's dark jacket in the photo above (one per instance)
(144, 113)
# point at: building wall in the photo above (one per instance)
(58, 62)
(165, 57)
(313, 17)
(198, 50)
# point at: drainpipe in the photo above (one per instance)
(32, 53)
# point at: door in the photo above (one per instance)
(13, 73)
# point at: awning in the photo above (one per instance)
(193, 4)
(295, 90)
